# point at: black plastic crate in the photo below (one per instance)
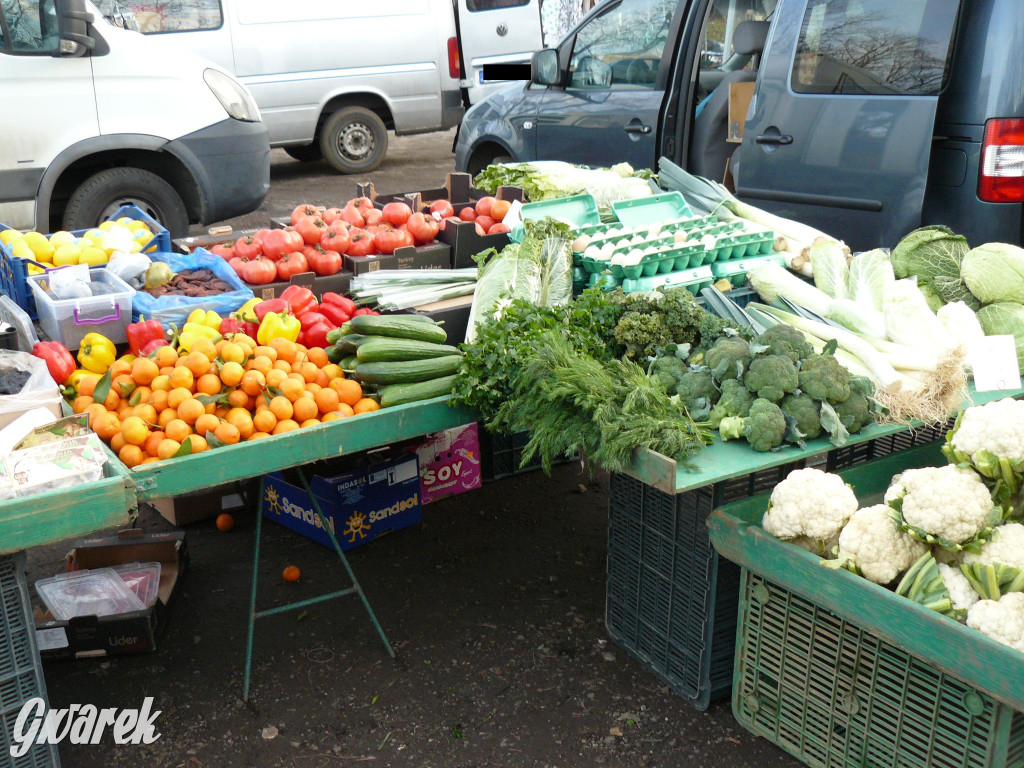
(21, 673)
(849, 455)
(671, 601)
(501, 455)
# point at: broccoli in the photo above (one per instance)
(736, 400)
(782, 339)
(854, 412)
(764, 428)
(824, 378)
(698, 392)
(803, 416)
(728, 358)
(772, 377)
(668, 370)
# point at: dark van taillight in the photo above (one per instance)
(454, 65)
(1002, 162)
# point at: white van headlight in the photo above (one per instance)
(232, 96)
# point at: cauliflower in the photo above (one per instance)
(772, 377)
(947, 506)
(728, 358)
(924, 584)
(763, 429)
(990, 438)
(998, 567)
(783, 339)
(809, 503)
(736, 400)
(823, 378)
(961, 593)
(1002, 620)
(873, 545)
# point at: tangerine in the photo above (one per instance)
(231, 374)
(281, 407)
(349, 391)
(304, 409)
(366, 405)
(225, 522)
(190, 410)
(144, 370)
(206, 423)
(285, 425)
(131, 455)
(227, 433)
(264, 421)
(208, 384)
(177, 430)
(291, 573)
(134, 430)
(167, 448)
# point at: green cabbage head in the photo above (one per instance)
(994, 272)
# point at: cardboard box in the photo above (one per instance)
(431, 256)
(453, 313)
(215, 236)
(740, 95)
(202, 505)
(449, 463)
(135, 632)
(360, 505)
(338, 283)
(458, 189)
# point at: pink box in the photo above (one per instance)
(449, 463)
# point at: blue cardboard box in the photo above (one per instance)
(360, 505)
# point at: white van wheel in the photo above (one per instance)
(354, 140)
(103, 193)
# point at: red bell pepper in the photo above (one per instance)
(300, 299)
(364, 311)
(344, 302)
(153, 346)
(143, 332)
(264, 308)
(230, 325)
(58, 359)
(250, 328)
(316, 335)
(309, 319)
(334, 313)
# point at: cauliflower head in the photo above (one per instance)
(961, 593)
(809, 503)
(998, 567)
(947, 506)
(1002, 619)
(873, 542)
(990, 438)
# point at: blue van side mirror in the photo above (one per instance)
(544, 68)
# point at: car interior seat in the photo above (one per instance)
(708, 149)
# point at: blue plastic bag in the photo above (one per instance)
(176, 309)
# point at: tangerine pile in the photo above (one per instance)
(217, 394)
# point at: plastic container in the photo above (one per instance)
(14, 315)
(21, 671)
(96, 592)
(501, 455)
(143, 579)
(656, 209)
(578, 210)
(69, 320)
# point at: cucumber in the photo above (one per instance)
(349, 363)
(399, 327)
(397, 394)
(350, 342)
(380, 349)
(335, 354)
(407, 372)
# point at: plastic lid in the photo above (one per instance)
(14, 315)
(96, 592)
(142, 578)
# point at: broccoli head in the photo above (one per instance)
(854, 412)
(736, 400)
(824, 378)
(728, 358)
(782, 339)
(763, 429)
(772, 377)
(698, 391)
(803, 416)
(669, 371)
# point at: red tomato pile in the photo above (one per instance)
(277, 254)
(488, 213)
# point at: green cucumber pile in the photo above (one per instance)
(403, 357)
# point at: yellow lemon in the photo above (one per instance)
(107, 225)
(40, 246)
(8, 236)
(34, 270)
(143, 236)
(93, 255)
(21, 250)
(93, 234)
(57, 239)
(136, 225)
(67, 254)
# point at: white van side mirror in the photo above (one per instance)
(73, 22)
(544, 68)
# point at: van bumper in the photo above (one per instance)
(452, 108)
(231, 162)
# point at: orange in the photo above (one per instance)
(309, 423)
(326, 400)
(285, 425)
(206, 423)
(366, 405)
(120, 366)
(199, 443)
(112, 402)
(146, 412)
(144, 370)
(317, 356)
(286, 350)
(167, 448)
(275, 377)
(204, 347)
(308, 371)
(281, 365)
(141, 395)
(153, 442)
(131, 455)
(291, 389)
(117, 442)
(197, 362)
(242, 420)
(95, 410)
(166, 371)
(211, 408)
(346, 410)
(167, 415)
(177, 396)
(291, 573)
(232, 353)
(165, 357)
(231, 374)
(124, 411)
(332, 416)
(261, 363)
(134, 430)
(266, 351)
(225, 522)
(238, 399)
(264, 421)
(253, 382)
(259, 435)
(87, 385)
(300, 351)
(312, 388)
(177, 430)
(221, 411)
(333, 371)
(349, 391)
(322, 379)
(281, 407)
(189, 411)
(304, 408)
(150, 459)
(158, 400)
(245, 340)
(161, 383)
(227, 433)
(107, 426)
(183, 378)
(81, 404)
(208, 384)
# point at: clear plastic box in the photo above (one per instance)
(142, 578)
(96, 592)
(69, 320)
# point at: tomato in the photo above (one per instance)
(295, 239)
(361, 243)
(498, 228)
(373, 229)
(293, 263)
(484, 205)
(442, 207)
(310, 228)
(396, 213)
(335, 238)
(387, 240)
(467, 213)
(238, 264)
(372, 216)
(352, 215)
(305, 209)
(260, 234)
(499, 209)
(277, 244)
(485, 221)
(225, 250)
(363, 204)
(479, 230)
(248, 247)
(423, 228)
(259, 271)
(324, 262)
(331, 215)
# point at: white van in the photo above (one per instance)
(96, 117)
(332, 78)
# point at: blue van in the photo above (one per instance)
(868, 117)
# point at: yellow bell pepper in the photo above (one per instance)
(246, 311)
(278, 325)
(96, 353)
(75, 379)
(192, 331)
(205, 317)
(127, 357)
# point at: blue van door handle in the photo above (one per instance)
(636, 127)
(773, 138)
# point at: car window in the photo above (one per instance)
(878, 47)
(175, 15)
(722, 18)
(622, 47)
(30, 25)
(490, 5)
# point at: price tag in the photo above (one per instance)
(514, 216)
(993, 361)
(51, 639)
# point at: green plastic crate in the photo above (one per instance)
(656, 209)
(579, 210)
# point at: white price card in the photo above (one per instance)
(993, 361)
(514, 216)
(51, 639)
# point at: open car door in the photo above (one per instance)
(495, 32)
